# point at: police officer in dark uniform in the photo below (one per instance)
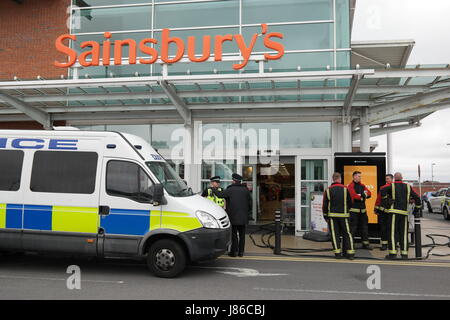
(358, 212)
(395, 199)
(239, 206)
(209, 194)
(336, 207)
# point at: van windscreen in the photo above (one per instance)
(171, 181)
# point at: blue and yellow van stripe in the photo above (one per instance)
(179, 221)
(11, 216)
(2, 215)
(126, 222)
(75, 219)
(87, 219)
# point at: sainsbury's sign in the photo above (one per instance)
(91, 56)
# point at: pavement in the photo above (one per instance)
(430, 224)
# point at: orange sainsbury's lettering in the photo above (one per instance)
(72, 54)
(165, 42)
(149, 54)
(148, 50)
(94, 53)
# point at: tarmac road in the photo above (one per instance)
(250, 277)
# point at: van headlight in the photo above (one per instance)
(207, 220)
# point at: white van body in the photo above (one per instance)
(87, 192)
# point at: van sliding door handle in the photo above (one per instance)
(103, 210)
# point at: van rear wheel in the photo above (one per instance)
(166, 258)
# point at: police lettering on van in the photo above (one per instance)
(29, 143)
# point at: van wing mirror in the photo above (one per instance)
(158, 194)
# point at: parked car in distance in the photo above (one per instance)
(425, 197)
(436, 200)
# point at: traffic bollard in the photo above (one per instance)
(277, 248)
(418, 234)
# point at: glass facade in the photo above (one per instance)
(316, 32)
(314, 178)
(316, 36)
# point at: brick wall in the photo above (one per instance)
(27, 43)
(27, 38)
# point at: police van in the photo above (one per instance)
(104, 194)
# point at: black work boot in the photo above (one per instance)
(338, 255)
(384, 247)
(391, 257)
(350, 256)
(366, 247)
(404, 257)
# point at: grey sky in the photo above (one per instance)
(428, 24)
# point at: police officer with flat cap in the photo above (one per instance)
(208, 192)
(239, 206)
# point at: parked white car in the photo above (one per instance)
(436, 201)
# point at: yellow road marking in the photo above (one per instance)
(329, 260)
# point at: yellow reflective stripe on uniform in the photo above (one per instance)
(338, 215)
(404, 212)
(357, 210)
(333, 237)
(393, 195)
(352, 250)
(75, 219)
(2, 215)
(405, 236)
(393, 242)
(408, 188)
(179, 221)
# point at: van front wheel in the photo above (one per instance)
(446, 214)
(166, 258)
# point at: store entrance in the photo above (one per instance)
(272, 188)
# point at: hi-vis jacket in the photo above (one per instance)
(336, 201)
(359, 202)
(211, 196)
(378, 203)
(396, 197)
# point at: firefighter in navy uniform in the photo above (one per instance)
(383, 215)
(395, 198)
(358, 214)
(336, 205)
(209, 194)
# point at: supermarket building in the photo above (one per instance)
(318, 95)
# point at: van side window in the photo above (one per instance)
(129, 180)
(64, 172)
(11, 162)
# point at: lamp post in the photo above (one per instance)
(432, 175)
